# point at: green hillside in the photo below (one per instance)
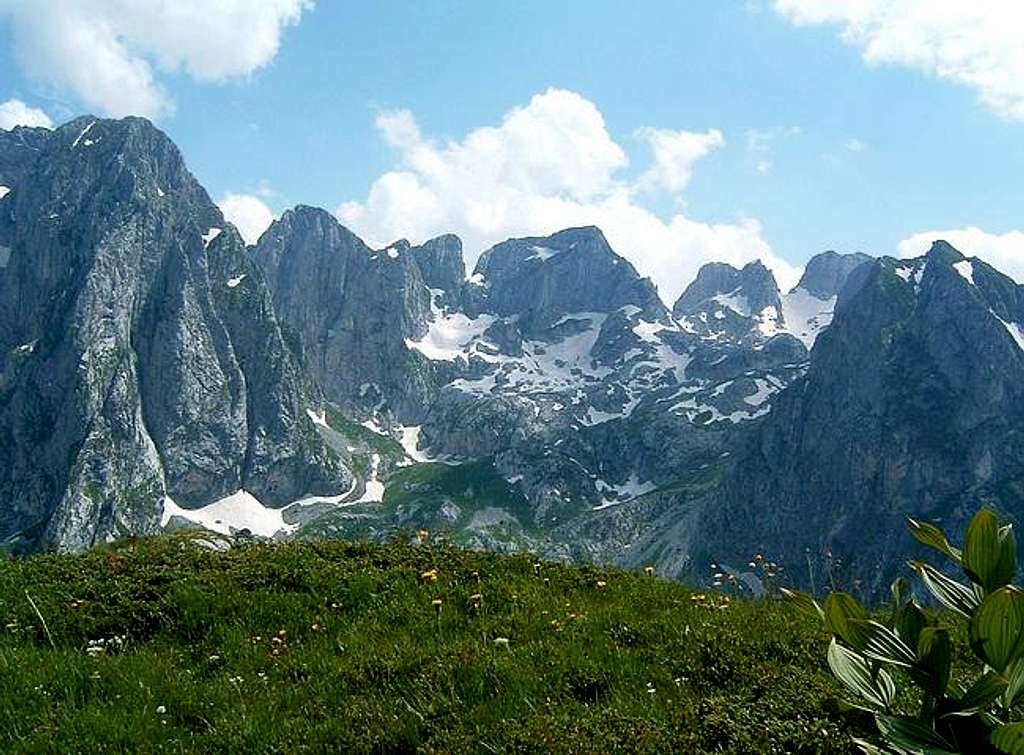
(167, 645)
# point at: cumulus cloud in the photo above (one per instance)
(1003, 251)
(248, 213)
(17, 113)
(975, 44)
(109, 52)
(549, 165)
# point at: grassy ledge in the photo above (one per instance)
(167, 645)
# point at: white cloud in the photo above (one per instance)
(855, 145)
(1005, 251)
(17, 113)
(975, 44)
(550, 165)
(108, 52)
(247, 213)
(675, 153)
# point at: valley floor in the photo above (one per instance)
(167, 645)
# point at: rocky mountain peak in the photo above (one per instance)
(747, 291)
(19, 147)
(909, 407)
(574, 270)
(129, 157)
(399, 246)
(944, 253)
(134, 328)
(441, 263)
(309, 242)
(354, 307)
(826, 273)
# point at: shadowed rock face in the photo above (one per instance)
(354, 307)
(441, 264)
(912, 405)
(754, 282)
(571, 271)
(141, 353)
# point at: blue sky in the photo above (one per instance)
(821, 144)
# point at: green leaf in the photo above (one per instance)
(1009, 738)
(909, 622)
(983, 558)
(997, 628)
(980, 696)
(854, 671)
(932, 536)
(843, 616)
(884, 645)
(804, 603)
(867, 748)
(934, 660)
(911, 734)
(1014, 674)
(950, 593)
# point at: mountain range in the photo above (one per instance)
(156, 372)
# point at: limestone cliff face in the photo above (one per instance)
(354, 308)
(140, 350)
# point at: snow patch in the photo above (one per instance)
(372, 425)
(541, 253)
(84, 132)
(238, 511)
(768, 321)
(966, 270)
(4, 191)
(210, 235)
(318, 419)
(1015, 330)
(760, 395)
(631, 488)
(735, 301)
(449, 336)
(409, 437)
(805, 315)
(374, 490)
(648, 331)
(232, 282)
(392, 253)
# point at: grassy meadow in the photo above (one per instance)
(169, 645)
